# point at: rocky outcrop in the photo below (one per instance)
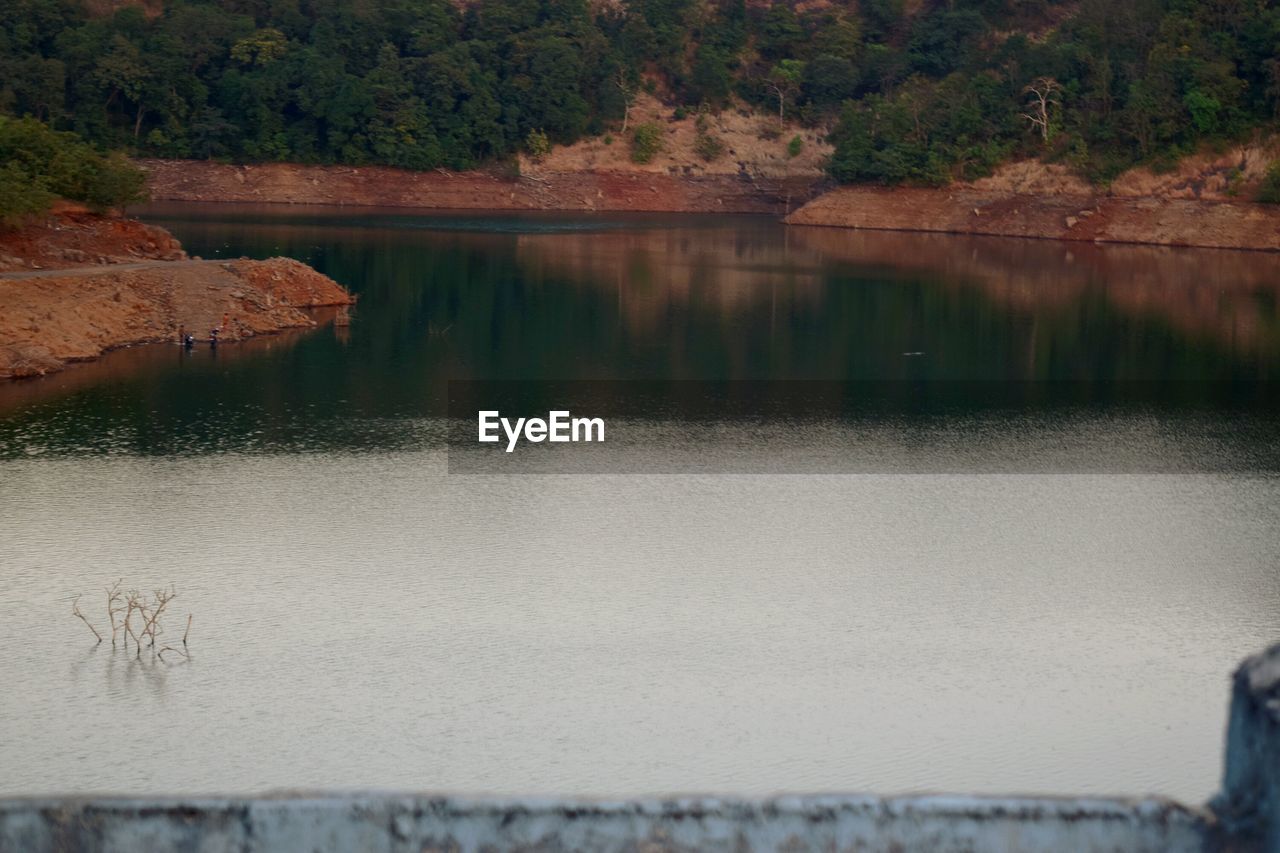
(49, 319)
(1090, 218)
(1203, 201)
(72, 236)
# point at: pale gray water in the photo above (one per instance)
(363, 618)
(373, 621)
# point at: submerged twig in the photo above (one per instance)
(146, 627)
(113, 607)
(75, 611)
(152, 625)
(185, 655)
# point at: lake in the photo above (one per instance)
(1026, 560)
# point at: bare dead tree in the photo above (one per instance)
(180, 652)
(152, 625)
(784, 81)
(75, 611)
(628, 97)
(133, 604)
(137, 616)
(1044, 95)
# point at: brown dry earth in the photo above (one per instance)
(50, 318)
(71, 236)
(756, 173)
(1197, 205)
(1100, 219)
(378, 186)
(1200, 203)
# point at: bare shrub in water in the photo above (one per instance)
(137, 616)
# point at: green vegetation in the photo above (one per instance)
(538, 145)
(21, 195)
(795, 146)
(41, 165)
(1269, 192)
(646, 142)
(708, 146)
(947, 90)
(943, 95)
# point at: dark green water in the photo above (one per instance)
(668, 298)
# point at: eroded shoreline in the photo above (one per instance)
(605, 190)
(72, 313)
(1191, 223)
(1190, 209)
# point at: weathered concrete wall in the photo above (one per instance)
(1244, 817)
(1249, 804)
(392, 823)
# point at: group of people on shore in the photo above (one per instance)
(188, 340)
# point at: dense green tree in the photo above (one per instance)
(829, 80)
(917, 91)
(40, 164)
(22, 195)
(781, 36)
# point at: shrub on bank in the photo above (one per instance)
(22, 196)
(41, 164)
(1269, 190)
(708, 146)
(538, 145)
(646, 142)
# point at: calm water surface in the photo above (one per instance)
(365, 618)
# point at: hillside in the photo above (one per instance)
(751, 143)
(727, 96)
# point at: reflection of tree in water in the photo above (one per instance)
(699, 299)
(1227, 299)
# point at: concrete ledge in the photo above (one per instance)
(1249, 805)
(395, 823)
(1244, 817)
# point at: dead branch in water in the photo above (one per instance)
(75, 611)
(137, 616)
(114, 607)
(152, 625)
(134, 604)
(182, 652)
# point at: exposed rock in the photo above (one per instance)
(1161, 221)
(50, 319)
(72, 236)
(603, 189)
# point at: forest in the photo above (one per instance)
(946, 90)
